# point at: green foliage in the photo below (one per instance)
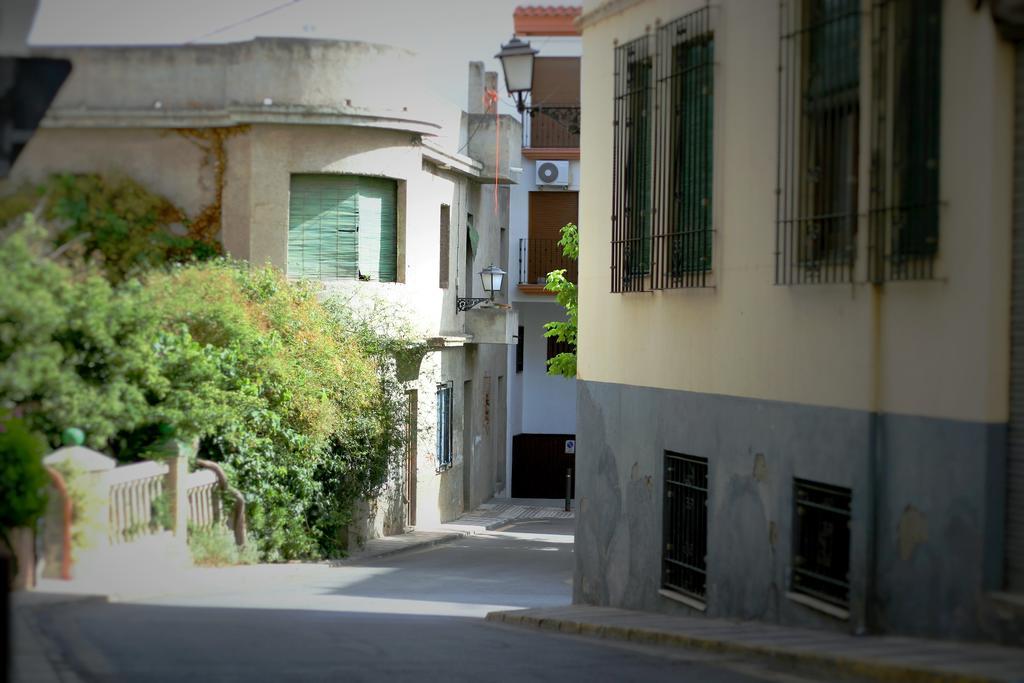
(214, 546)
(565, 294)
(295, 397)
(115, 223)
(76, 350)
(23, 478)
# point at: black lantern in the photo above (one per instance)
(517, 62)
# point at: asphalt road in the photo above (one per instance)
(410, 617)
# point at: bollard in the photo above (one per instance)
(568, 489)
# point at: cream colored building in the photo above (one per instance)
(291, 126)
(794, 389)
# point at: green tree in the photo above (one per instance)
(565, 294)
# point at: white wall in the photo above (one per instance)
(549, 401)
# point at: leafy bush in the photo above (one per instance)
(113, 222)
(215, 546)
(76, 350)
(565, 294)
(23, 478)
(296, 398)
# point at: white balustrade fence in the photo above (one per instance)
(204, 503)
(136, 495)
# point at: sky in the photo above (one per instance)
(447, 34)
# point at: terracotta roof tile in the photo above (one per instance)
(548, 11)
(546, 20)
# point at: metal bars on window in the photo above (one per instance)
(904, 212)
(821, 541)
(819, 124)
(444, 425)
(662, 157)
(685, 525)
(631, 160)
(683, 125)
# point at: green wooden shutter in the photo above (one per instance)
(691, 248)
(323, 221)
(378, 229)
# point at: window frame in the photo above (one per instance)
(818, 207)
(343, 217)
(817, 498)
(443, 425)
(692, 581)
(684, 153)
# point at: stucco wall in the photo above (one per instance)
(943, 344)
(162, 160)
(937, 529)
(549, 401)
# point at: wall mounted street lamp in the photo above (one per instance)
(517, 59)
(492, 277)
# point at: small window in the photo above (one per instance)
(444, 426)
(343, 227)
(556, 347)
(520, 349)
(821, 541)
(685, 525)
(444, 261)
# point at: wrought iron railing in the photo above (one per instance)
(538, 257)
(553, 127)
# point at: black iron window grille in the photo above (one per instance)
(520, 348)
(904, 213)
(684, 120)
(819, 123)
(631, 198)
(821, 541)
(685, 525)
(444, 425)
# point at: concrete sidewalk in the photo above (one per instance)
(830, 654)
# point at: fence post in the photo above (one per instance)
(177, 491)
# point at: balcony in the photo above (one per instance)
(537, 258)
(553, 128)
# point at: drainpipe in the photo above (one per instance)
(870, 621)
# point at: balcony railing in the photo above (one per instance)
(553, 127)
(538, 257)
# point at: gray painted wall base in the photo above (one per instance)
(937, 522)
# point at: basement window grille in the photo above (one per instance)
(904, 213)
(684, 107)
(821, 546)
(685, 525)
(819, 124)
(444, 425)
(631, 198)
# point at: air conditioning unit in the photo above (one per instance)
(553, 173)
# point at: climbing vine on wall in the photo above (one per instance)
(211, 142)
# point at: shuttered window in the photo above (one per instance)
(631, 215)
(683, 152)
(819, 128)
(343, 227)
(906, 51)
(444, 425)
